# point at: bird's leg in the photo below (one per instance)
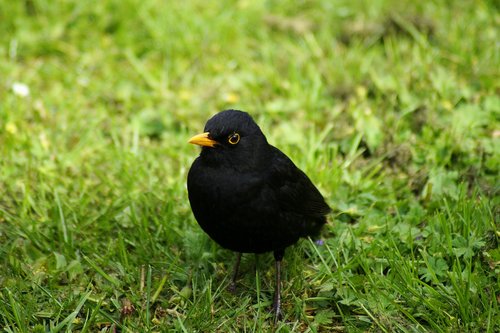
(232, 286)
(278, 256)
(277, 292)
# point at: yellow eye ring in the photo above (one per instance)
(233, 138)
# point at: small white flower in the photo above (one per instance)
(20, 89)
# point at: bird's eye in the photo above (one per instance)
(233, 138)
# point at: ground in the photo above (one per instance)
(391, 107)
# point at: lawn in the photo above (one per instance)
(391, 107)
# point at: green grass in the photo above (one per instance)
(391, 107)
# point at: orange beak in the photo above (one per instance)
(202, 140)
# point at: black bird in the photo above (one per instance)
(247, 195)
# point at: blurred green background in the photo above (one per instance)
(392, 108)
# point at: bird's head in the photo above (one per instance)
(232, 138)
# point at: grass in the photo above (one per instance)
(391, 107)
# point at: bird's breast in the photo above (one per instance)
(222, 190)
(235, 209)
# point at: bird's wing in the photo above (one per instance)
(294, 190)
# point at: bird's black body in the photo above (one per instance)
(255, 211)
(248, 196)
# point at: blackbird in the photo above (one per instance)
(247, 195)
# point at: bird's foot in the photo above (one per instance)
(276, 311)
(232, 284)
(232, 287)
